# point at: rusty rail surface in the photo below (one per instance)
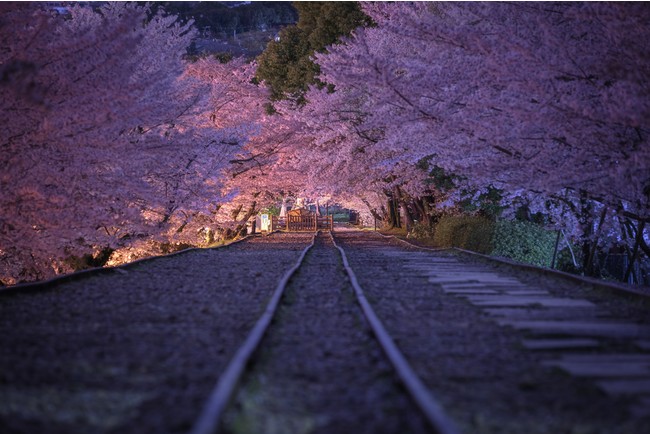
(210, 417)
(432, 410)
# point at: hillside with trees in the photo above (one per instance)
(286, 66)
(232, 29)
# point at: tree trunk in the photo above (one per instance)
(635, 251)
(393, 214)
(400, 203)
(241, 228)
(587, 223)
(568, 244)
(235, 213)
(589, 265)
(385, 215)
(408, 219)
(421, 207)
(557, 244)
(427, 211)
(373, 211)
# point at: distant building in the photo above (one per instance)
(58, 7)
(63, 8)
(234, 4)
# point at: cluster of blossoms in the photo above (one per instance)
(547, 102)
(110, 136)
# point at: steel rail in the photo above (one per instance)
(208, 420)
(433, 411)
(430, 249)
(620, 288)
(43, 284)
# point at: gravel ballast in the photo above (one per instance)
(319, 369)
(504, 350)
(479, 370)
(135, 350)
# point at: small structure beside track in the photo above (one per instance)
(297, 220)
(303, 220)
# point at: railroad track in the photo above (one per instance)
(319, 343)
(344, 333)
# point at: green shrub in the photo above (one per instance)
(465, 232)
(564, 260)
(421, 231)
(341, 217)
(524, 242)
(518, 240)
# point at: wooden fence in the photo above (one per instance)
(305, 223)
(326, 222)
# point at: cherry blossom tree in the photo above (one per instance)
(268, 168)
(110, 136)
(521, 92)
(234, 109)
(546, 101)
